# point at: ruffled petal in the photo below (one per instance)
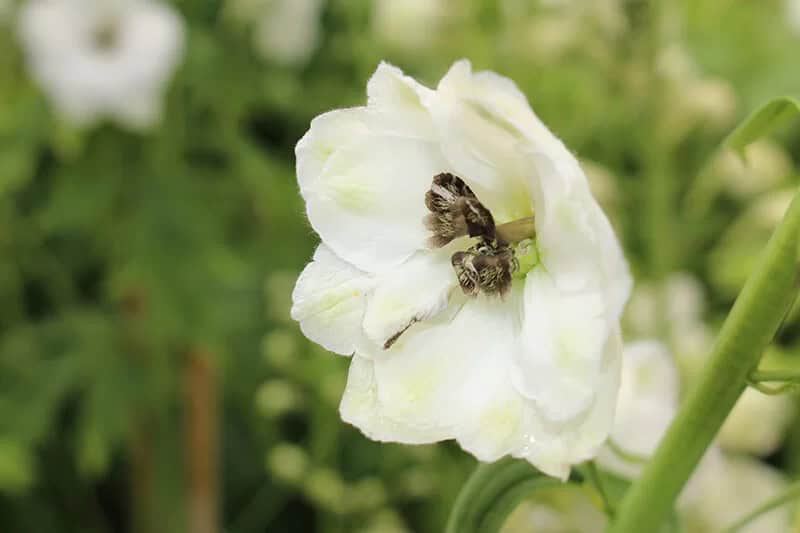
(480, 145)
(414, 292)
(563, 338)
(394, 103)
(575, 240)
(554, 447)
(328, 133)
(446, 379)
(329, 301)
(368, 204)
(648, 400)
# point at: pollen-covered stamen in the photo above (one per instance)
(455, 211)
(486, 267)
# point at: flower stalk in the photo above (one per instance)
(750, 326)
(492, 492)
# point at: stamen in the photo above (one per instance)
(489, 265)
(455, 211)
(517, 230)
(391, 340)
(486, 267)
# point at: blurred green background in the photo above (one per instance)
(147, 358)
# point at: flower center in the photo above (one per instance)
(105, 34)
(501, 252)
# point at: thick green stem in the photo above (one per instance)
(751, 325)
(492, 492)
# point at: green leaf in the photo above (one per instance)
(761, 122)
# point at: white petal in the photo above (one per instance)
(368, 204)
(329, 300)
(448, 378)
(726, 488)
(360, 407)
(647, 403)
(563, 337)
(328, 133)
(757, 424)
(553, 447)
(576, 242)
(480, 146)
(394, 102)
(414, 292)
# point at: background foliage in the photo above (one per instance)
(125, 257)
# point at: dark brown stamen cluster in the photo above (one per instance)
(455, 211)
(486, 266)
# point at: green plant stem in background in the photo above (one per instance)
(492, 492)
(788, 381)
(788, 375)
(593, 475)
(750, 326)
(788, 494)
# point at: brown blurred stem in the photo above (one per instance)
(142, 441)
(142, 472)
(201, 433)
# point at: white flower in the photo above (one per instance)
(725, 488)
(757, 423)
(98, 59)
(524, 358)
(561, 510)
(288, 31)
(410, 24)
(647, 403)
(793, 15)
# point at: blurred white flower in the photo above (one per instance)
(725, 488)
(673, 312)
(564, 510)
(757, 423)
(524, 358)
(692, 96)
(765, 167)
(412, 25)
(97, 59)
(793, 15)
(647, 402)
(288, 31)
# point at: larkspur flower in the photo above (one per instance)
(757, 424)
(647, 403)
(102, 59)
(726, 487)
(468, 269)
(288, 31)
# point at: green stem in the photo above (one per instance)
(789, 493)
(492, 492)
(593, 476)
(782, 375)
(750, 326)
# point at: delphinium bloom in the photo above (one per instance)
(102, 59)
(288, 31)
(467, 269)
(647, 403)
